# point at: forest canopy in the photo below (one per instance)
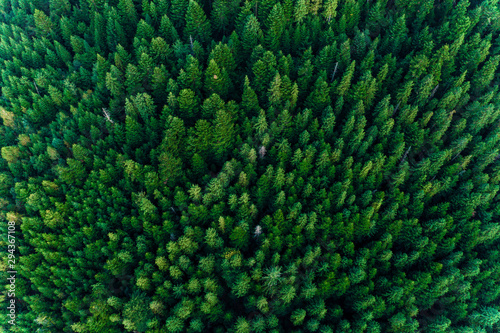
(244, 166)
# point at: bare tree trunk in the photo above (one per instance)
(396, 109)
(36, 87)
(433, 91)
(334, 71)
(404, 156)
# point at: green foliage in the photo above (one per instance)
(197, 25)
(251, 166)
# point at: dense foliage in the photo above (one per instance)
(252, 166)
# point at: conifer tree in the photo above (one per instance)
(223, 135)
(167, 30)
(216, 80)
(330, 10)
(188, 104)
(346, 79)
(177, 12)
(301, 11)
(249, 98)
(42, 22)
(252, 34)
(483, 77)
(128, 16)
(275, 27)
(190, 77)
(197, 25)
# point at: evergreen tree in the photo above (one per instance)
(252, 34)
(275, 27)
(330, 10)
(177, 12)
(190, 78)
(197, 25)
(216, 80)
(249, 99)
(167, 30)
(128, 16)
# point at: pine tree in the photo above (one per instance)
(100, 32)
(188, 104)
(216, 80)
(177, 12)
(223, 10)
(223, 55)
(275, 27)
(114, 82)
(351, 11)
(319, 98)
(396, 36)
(249, 99)
(167, 30)
(346, 79)
(128, 16)
(223, 135)
(301, 10)
(264, 70)
(485, 75)
(42, 22)
(190, 78)
(330, 10)
(252, 34)
(242, 17)
(144, 30)
(274, 92)
(133, 80)
(197, 25)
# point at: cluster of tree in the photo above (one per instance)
(252, 165)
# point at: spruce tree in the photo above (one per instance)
(197, 25)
